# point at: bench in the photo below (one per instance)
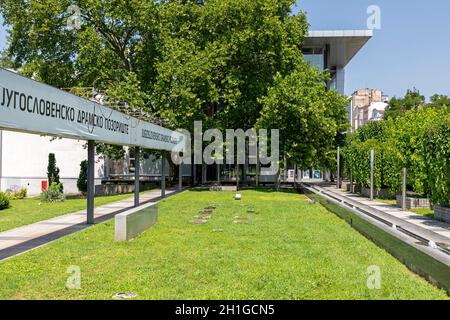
(133, 222)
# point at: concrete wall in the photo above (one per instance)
(24, 160)
(442, 213)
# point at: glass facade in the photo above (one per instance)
(315, 57)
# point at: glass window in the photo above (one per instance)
(315, 60)
(315, 57)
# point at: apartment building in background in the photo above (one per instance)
(367, 105)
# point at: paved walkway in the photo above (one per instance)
(432, 229)
(19, 240)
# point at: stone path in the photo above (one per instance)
(418, 220)
(25, 238)
(422, 228)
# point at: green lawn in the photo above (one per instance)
(292, 249)
(390, 202)
(30, 210)
(424, 212)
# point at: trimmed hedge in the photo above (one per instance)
(419, 141)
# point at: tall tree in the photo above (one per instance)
(52, 169)
(440, 101)
(218, 57)
(220, 61)
(309, 117)
(413, 100)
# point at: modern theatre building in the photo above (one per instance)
(24, 157)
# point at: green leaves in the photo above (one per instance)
(217, 59)
(419, 141)
(309, 117)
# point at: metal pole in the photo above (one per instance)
(192, 170)
(203, 173)
(351, 181)
(218, 173)
(372, 160)
(90, 182)
(137, 166)
(180, 177)
(237, 170)
(295, 174)
(404, 190)
(194, 166)
(163, 175)
(338, 178)
(257, 168)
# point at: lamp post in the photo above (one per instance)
(372, 161)
(338, 178)
(90, 182)
(404, 190)
(137, 165)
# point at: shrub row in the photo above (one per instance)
(419, 141)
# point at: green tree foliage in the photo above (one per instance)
(5, 60)
(418, 140)
(440, 101)
(4, 201)
(83, 176)
(436, 152)
(220, 57)
(113, 38)
(190, 57)
(52, 169)
(308, 116)
(413, 100)
(220, 61)
(54, 193)
(113, 50)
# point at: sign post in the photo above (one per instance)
(33, 107)
(91, 182)
(180, 177)
(163, 175)
(137, 166)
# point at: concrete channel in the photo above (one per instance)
(424, 252)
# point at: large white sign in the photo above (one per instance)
(30, 106)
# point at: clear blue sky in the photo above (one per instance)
(411, 49)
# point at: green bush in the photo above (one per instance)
(82, 178)
(418, 141)
(436, 151)
(4, 201)
(15, 195)
(53, 170)
(53, 194)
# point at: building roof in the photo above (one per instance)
(343, 44)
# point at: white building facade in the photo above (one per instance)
(24, 160)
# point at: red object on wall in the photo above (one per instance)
(44, 185)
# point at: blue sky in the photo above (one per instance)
(410, 50)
